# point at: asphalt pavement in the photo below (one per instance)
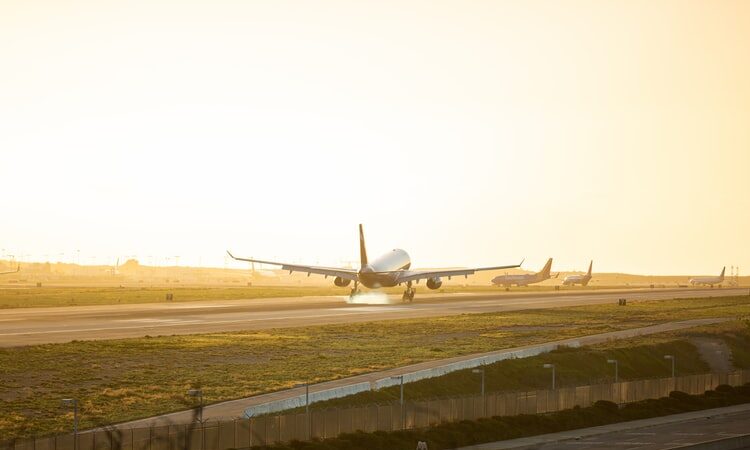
(28, 326)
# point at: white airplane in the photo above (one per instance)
(583, 280)
(524, 279)
(18, 269)
(709, 281)
(391, 269)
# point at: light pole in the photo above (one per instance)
(614, 361)
(307, 407)
(74, 403)
(198, 393)
(671, 357)
(401, 400)
(551, 366)
(484, 402)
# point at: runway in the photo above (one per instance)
(28, 326)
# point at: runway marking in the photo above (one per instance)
(158, 321)
(366, 309)
(217, 322)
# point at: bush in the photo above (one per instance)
(679, 395)
(724, 389)
(604, 405)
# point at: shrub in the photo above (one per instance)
(604, 405)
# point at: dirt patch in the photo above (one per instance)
(715, 352)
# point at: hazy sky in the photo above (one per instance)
(466, 132)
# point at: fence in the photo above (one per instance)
(264, 430)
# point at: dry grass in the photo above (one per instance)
(125, 379)
(34, 297)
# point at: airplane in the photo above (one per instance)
(583, 280)
(391, 269)
(18, 269)
(709, 281)
(524, 279)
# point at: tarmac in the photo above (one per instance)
(29, 326)
(658, 433)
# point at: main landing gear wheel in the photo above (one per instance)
(355, 290)
(408, 294)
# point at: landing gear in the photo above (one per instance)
(355, 290)
(408, 293)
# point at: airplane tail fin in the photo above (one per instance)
(590, 265)
(546, 269)
(722, 273)
(362, 249)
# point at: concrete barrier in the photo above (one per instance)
(470, 364)
(299, 401)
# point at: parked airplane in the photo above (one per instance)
(391, 269)
(524, 279)
(583, 280)
(18, 269)
(709, 281)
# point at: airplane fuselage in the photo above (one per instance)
(570, 280)
(706, 281)
(518, 280)
(381, 272)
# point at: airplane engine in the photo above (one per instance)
(434, 283)
(341, 282)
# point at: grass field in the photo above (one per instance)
(118, 380)
(641, 357)
(33, 297)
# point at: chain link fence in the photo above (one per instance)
(328, 423)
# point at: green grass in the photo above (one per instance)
(120, 380)
(574, 367)
(641, 357)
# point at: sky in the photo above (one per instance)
(468, 133)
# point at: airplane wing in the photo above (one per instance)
(18, 269)
(416, 275)
(347, 274)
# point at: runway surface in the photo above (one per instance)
(28, 326)
(660, 433)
